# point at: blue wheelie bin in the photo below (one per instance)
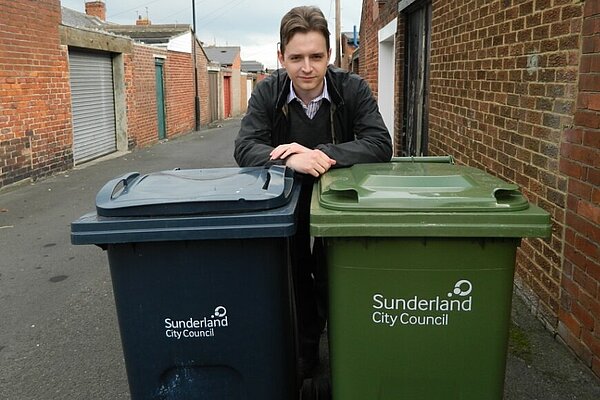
(200, 266)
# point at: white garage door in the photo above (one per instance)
(93, 104)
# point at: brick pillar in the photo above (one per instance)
(35, 97)
(579, 317)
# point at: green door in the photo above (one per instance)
(160, 99)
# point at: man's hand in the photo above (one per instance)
(313, 162)
(302, 159)
(283, 151)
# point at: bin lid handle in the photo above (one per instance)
(117, 186)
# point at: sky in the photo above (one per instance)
(251, 24)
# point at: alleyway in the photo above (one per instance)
(59, 336)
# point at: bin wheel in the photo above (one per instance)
(315, 389)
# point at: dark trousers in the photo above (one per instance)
(310, 281)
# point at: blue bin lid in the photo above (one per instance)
(195, 191)
(226, 203)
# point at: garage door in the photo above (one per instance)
(93, 104)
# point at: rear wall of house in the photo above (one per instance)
(203, 87)
(506, 96)
(35, 111)
(179, 96)
(579, 316)
(143, 123)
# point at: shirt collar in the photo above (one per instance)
(325, 95)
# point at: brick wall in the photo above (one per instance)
(143, 127)
(348, 50)
(179, 97)
(369, 45)
(179, 93)
(35, 127)
(579, 315)
(502, 90)
(130, 90)
(203, 87)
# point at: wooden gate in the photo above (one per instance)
(227, 96)
(416, 90)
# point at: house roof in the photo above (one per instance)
(149, 34)
(224, 55)
(350, 37)
(80, 20)
(252, 66)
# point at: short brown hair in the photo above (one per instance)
(302, 19)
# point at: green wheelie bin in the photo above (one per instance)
(420, 255)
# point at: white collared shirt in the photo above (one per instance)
(311, 108)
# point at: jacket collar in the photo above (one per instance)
(284, 82)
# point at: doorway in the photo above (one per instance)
(416, 86)
(160, 98)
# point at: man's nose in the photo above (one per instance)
(306, 65)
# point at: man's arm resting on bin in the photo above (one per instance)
(372, 142)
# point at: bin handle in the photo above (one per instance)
(278, 176)
(425, 159)
(117, 186)
(510, 196)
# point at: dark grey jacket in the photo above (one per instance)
(358, 132)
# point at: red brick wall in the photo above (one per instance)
(35, 106)
(369, 44)
(179, 97)
(579, 315)
(130, 90)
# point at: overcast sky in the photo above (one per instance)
(251, 24)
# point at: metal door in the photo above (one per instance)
(160, 99)
(93, 105)
(213, 81)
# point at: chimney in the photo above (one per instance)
(96, 9)
(142, 21)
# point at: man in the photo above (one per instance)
(310, 117)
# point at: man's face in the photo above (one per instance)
(305, 60)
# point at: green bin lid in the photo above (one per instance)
(423, 199)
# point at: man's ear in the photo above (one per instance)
(329, 55)
(280, 57)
